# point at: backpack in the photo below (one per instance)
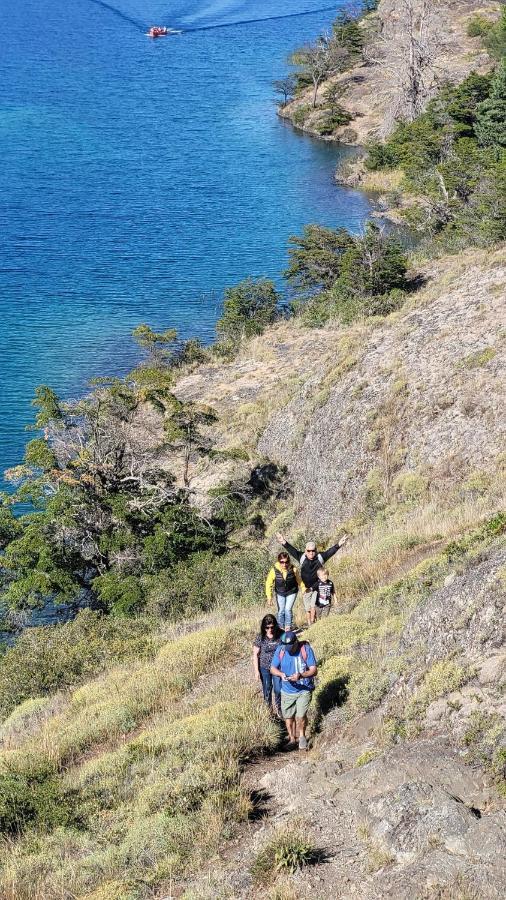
(303, 652)
(319, 557)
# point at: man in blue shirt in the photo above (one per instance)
(295, 663)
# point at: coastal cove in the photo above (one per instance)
(140, 179)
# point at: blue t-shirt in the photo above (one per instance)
(290, 664)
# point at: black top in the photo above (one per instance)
(267, 649)
(309, 567)
(326, 591)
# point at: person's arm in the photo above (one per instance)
(332, 550)
(256, 666)
(269, 584)
(292, 550)
(333, 595)
(309, 673)
(311, 670)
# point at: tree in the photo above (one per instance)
(247, 309)
(410, 46)
(160, 346)
(491, 114)
(374, 265)
(315, 258)
(348, 33)
(495, 39)
(285, 87)
(183, 429)
(320, 60)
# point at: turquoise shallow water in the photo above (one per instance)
(139, 178)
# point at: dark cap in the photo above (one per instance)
(288, 637)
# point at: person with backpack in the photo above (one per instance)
(264, 647)
(284, 581)
(310, 561)
(295, 663)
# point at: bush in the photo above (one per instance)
(206, 581)
(301, 114)
(287, 851)
(36, 799)
(247, 310)
(332, 120)
(478, 27)
(50, 658)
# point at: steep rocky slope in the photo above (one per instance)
(369, 89)
(406, 405)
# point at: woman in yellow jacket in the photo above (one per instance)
(283, 581)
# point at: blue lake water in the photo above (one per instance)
(139, 178)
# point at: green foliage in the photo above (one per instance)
(247, 310)
(478, 26)
(51, 658)
(206, 581)
(37, 799)
(47, 405)
(491, 114)
(495, 38)
(159, 345)
(286, 851)
(454, 161)
(301, 115)
(315, 258)
(333, 119)
(339, 276)
(348, 33)
(10, 527)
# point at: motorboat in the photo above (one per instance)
(157, 31)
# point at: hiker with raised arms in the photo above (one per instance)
(295, 663)
(310, 561)
(284, 582)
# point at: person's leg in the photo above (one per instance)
(312, 608)
(302, 705)
(276, 687)
(324, 611)
(281, 603)
(289, 601)
(266, 678)
(288, 708)
(306, 599)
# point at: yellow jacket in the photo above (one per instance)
(278, 570)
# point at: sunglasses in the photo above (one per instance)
(310, 551)
(284, 562)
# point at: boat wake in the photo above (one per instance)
(181, 27)
(292, 15)
(117, 12)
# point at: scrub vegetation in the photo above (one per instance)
(126, 731)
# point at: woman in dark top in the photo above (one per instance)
(263, 650)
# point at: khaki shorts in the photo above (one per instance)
(295, 704)
(322, 611)
(309, 600)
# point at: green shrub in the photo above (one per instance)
(478, 27)
(287, 851)
(248, 308)
(301, 115)
(47, 659)
(37, 798)
(206, 581)
(333, 119)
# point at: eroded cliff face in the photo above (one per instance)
(371, 90)
(410, 403)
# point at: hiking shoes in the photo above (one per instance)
(302, 743)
